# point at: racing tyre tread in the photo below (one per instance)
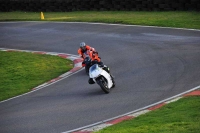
(105, 89)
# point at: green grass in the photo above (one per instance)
(182, 116)
(178, 19)
(21, 71)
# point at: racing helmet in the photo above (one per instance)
(83, 45)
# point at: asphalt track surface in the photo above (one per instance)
(149, 64)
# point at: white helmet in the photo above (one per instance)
(82, 44)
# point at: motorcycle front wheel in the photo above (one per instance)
(103, 84)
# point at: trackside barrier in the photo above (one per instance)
(98, 5)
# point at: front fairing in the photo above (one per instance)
(95, 71)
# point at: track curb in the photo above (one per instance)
(131, 115)
(77, 61)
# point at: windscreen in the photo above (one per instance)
(94, 67)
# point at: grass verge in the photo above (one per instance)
(21, 71)
(182, 116)
(179, 19)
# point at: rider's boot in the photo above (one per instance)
(91, 81)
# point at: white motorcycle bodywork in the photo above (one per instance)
(95, 71)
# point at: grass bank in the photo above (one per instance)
(164, 19)
(21, 71)
(182, 116)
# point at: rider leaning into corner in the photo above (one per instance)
(93, 54)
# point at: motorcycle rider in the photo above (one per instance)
(83, 48)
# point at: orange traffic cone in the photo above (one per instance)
(42, 15)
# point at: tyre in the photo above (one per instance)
(113, 82)
(103, 84)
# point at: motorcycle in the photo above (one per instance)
(102, 78)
